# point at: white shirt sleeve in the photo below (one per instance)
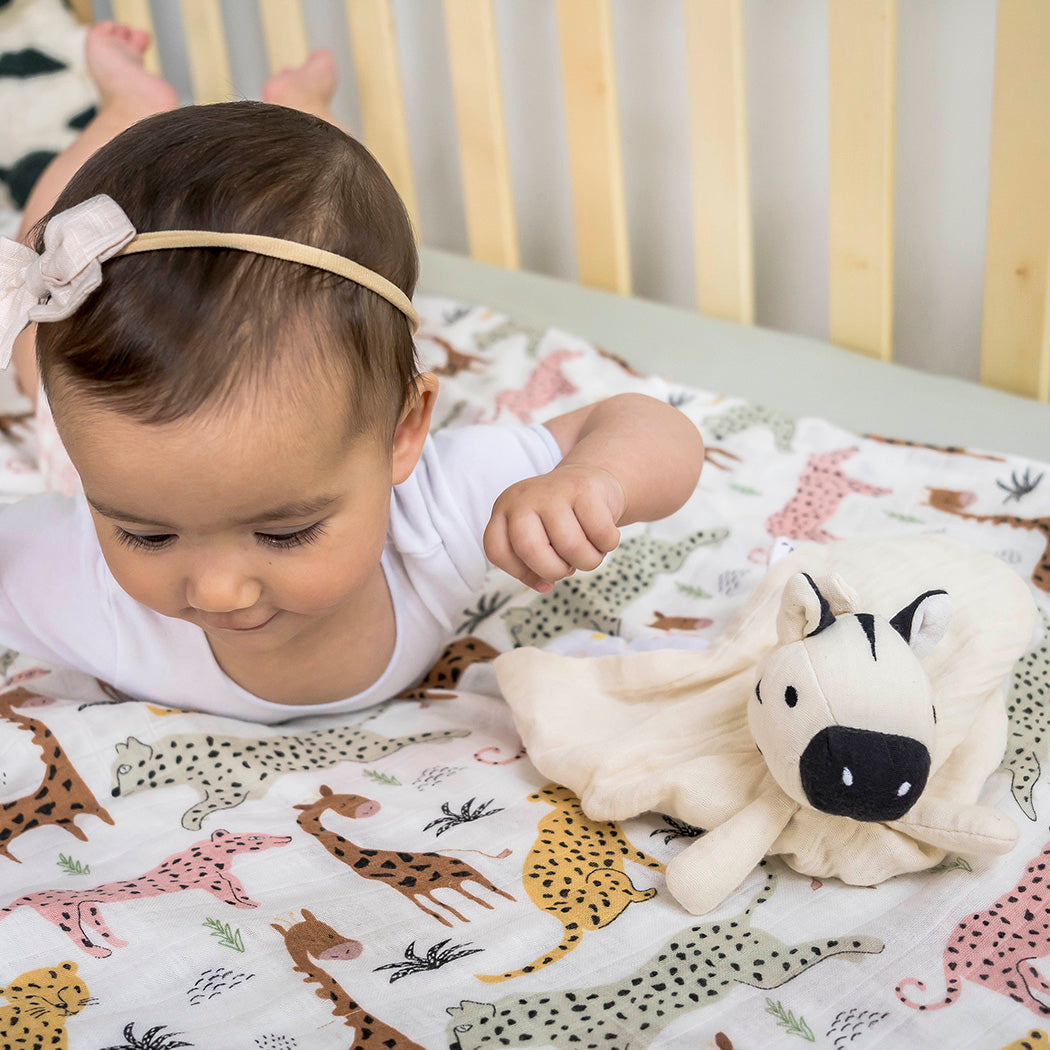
(54, 587)
(438, 516)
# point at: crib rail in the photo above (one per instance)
(1016, 328)
(1015, 353)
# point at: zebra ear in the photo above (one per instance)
(922, 623)
(804, 611)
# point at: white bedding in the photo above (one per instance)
(237, 869)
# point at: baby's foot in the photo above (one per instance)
(114, 56)
(309, 87)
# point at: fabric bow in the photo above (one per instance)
(52, 285)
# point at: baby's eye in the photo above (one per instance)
(143, 542)
(285, 540)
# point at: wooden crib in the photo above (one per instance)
(862, 48)
(251, 902)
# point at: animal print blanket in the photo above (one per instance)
(402, 877)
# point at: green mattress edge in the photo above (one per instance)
(789, 373)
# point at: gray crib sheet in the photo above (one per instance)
(792, 374)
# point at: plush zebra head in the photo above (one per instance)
(842, 711)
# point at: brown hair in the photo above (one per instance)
(171, 331)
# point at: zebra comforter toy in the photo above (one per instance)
(847, 719)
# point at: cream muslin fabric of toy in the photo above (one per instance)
(832, 638)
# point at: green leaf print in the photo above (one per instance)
(788, 1021)
(228, 937)
(73, 867)
(382, 778)
(693, 592)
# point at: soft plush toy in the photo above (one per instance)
(46, 95)
(847, 719)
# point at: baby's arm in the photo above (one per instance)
(628, 458)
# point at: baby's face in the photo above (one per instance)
(260, 526)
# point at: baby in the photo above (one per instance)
(266, 528)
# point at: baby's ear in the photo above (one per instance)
(413, 427)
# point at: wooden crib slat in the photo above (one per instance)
(285, 33)
(862, 98)
(1015, 338)
(714, 40)
(206, 50)
(137, 13)
(474, 58)
(593, 125)
(83, 11)
(374, 44)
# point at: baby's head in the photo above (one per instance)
(171, 333)
(238, 420)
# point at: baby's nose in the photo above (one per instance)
(222, 589)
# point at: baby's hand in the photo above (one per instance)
(547, 527)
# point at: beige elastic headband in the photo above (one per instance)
(277, 248)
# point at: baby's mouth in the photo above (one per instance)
(220, 623)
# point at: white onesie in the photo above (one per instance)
(59, 602)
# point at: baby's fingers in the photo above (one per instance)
(572, 543)
(598, 524)
(531, 542)
(500, 551)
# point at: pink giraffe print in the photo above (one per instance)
(203, 866)
(995, 948)
(821, 488)
(546, 384)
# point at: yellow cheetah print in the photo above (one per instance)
(40, 1001)
(1036, 1039)
(575, 872)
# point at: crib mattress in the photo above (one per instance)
(403, 877)
(789, 373)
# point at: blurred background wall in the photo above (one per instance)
(944, 88)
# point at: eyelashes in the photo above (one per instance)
(299, 538)
(141, 543)
(280, 541)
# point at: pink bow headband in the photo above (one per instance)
(52, 285)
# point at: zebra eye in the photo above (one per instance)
(758, 695)
(790, 696)
(121, 770)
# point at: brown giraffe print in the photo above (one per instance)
(952, 502)
(616, 359)
(62, 794)
(414, 875)
(442, 678)
(311, 940)
(714, 453)
(456, 361)
(948, 450)
(679, 623)
(11, 422)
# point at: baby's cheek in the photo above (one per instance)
(147, 586)
(327, 582)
